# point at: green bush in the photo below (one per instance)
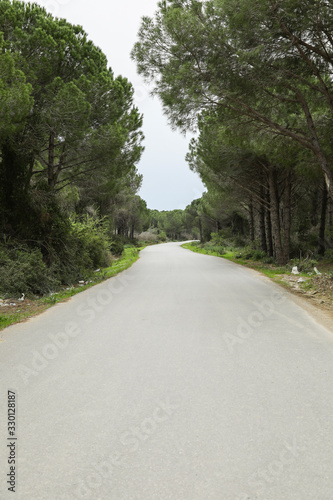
(219, 249)
(89, 244)
(216, 238)
(117, 246)
(329, 254)
(72, 249)
(269, 260)
(162, 236)
(239, 241)
(225, 238)
(85, 248)
(246, 253)
(22, 270)
(304, 265)
(259, 255)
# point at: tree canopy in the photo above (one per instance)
(264, 63)
(66, 118)
(255, 78)
(70, 141)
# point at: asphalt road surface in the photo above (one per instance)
(186, 377)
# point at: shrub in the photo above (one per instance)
(22, 270)
(269, 260)
(219, 249)
(305, 265)
(216, 238)
(246, 253)
(329, 254)
(239, 241)
(86, 247)
(162, 236)
(90, 245)
(72, 249)
(117, 246)
(259, 255)
(148, 237)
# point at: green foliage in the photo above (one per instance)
(15, 95)
(226, 238)
(246, 253)
(305, 265)
(117, 245)
(22, 270)
(70, 139)
(90, 243)
(217, 238)
(216, 249)
(66, 120)
(130, 213)
(259, 255)
(268, 260)
(129, 257)
(162, 236)
(170, 224)
(73, 255)
(254, 62)
(255, 79)
(329, 254)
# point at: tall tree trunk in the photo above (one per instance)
(14, 179)
(287, 217)
(322, 227)
(50, 166)
(262, 228)
(316, 146)
(330, 222)
(327, 173)
(251, 220)
(315, 204)
(269, 237)
(275, 218)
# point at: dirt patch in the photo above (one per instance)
(11, 306)
(315, 294)
(318, 288)
(20, 310)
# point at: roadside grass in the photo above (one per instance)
(233, 255)
(269, 270)
(272, 271)
(30, 308)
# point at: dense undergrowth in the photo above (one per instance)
(33, 268)
(33, 305)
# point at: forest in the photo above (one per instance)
(253, 79)
(70, 140)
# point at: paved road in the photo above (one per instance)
(185, 378)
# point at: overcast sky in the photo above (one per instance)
(112, 25)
